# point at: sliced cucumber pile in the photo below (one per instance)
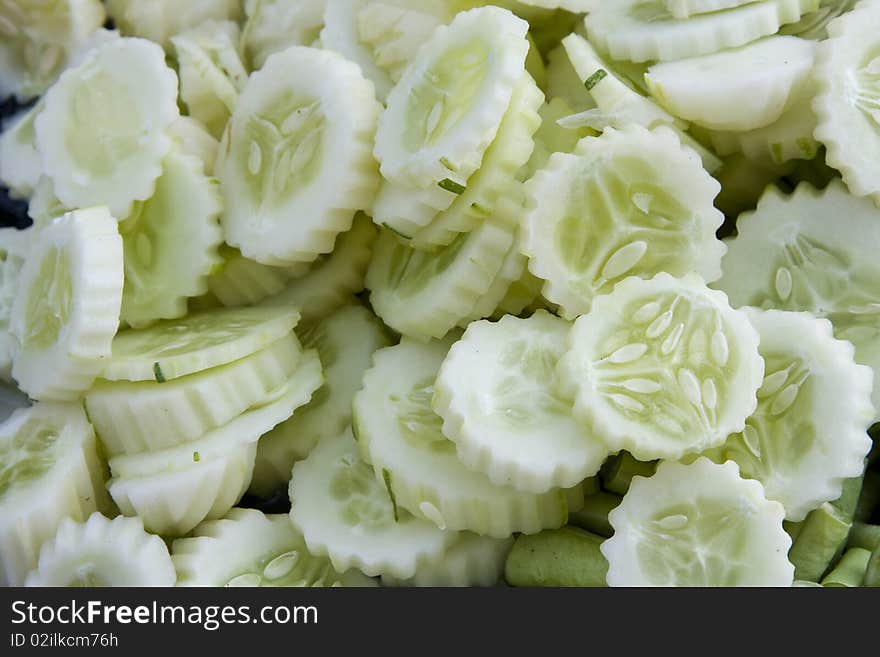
(423, 293)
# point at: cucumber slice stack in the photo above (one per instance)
(50, 470)
(183, 403)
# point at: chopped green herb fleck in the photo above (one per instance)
(157, 372)
(595, 78)
(196, 457)
(452, 186)
(386, 477)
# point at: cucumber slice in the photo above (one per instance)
(102, 135)
(697, 525)
(144, 416)
(791, 137)
(618, 104)
(243, 282)
(382, 37)
(447, 107)
(683, 9)
(740, 89)
(170, 243)
(401, 436)
(15, 246)
(243, 430)
(425, 295)
(662, 368)
(102, 552)
(645, 30)
(472, 560)
(66, 309)
(192, 138)
(497, 175)
(848, 103)
(211, 72)
(406, 210)
(37, 40)
(298, 145)
(815, 24)
(49, 469)
(333, 279)
(173, 503)
(345, 513)
(512, 270)
(809, 433)
(175, 348)
(159, 20)
(20, 164)
(345, 342)
(392, 31)
(275, 25)
(564, 83)
(497, 394)
(629, 203)
(248, 548)
(813, 251)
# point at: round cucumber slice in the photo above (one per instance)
(101, 552)
(662, 368)
(200, 341)
(345, 341)
(173, 503)
(170, 243)
(629, 203)
(809, 432)
(382, 37)
(333, 279)
(298, 145)
(159, 20)
(38, 39)
(497, 176)
(275, 25)
(425, 295)
(401, 436)
(645, 30)
(144, 416)
(102, 135)
(697, 525)
(344, 512)
(49, 470)
(20, 164)
(243, 430)
(740, 89)
(848, 103)
(472, 560)
(66, 309)
(249, 548)
(447, 107)
(497, 394)
(813, 251)
(211, 72)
